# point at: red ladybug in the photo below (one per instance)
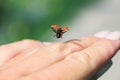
(59, 31)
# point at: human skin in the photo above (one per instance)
(77, 59)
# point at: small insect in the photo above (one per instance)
(59, 31)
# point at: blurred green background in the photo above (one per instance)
(21, 19)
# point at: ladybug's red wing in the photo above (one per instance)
(55, 28)
(64, 29)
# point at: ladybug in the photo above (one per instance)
(59, 31)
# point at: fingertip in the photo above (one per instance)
(108, 35)
(114, 36)
(102, 34)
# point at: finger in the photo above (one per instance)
(23, 55)
(45, 56)
(47, 43)
(102, 34)
(81, 64)
(19, 58)
(11, 50)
